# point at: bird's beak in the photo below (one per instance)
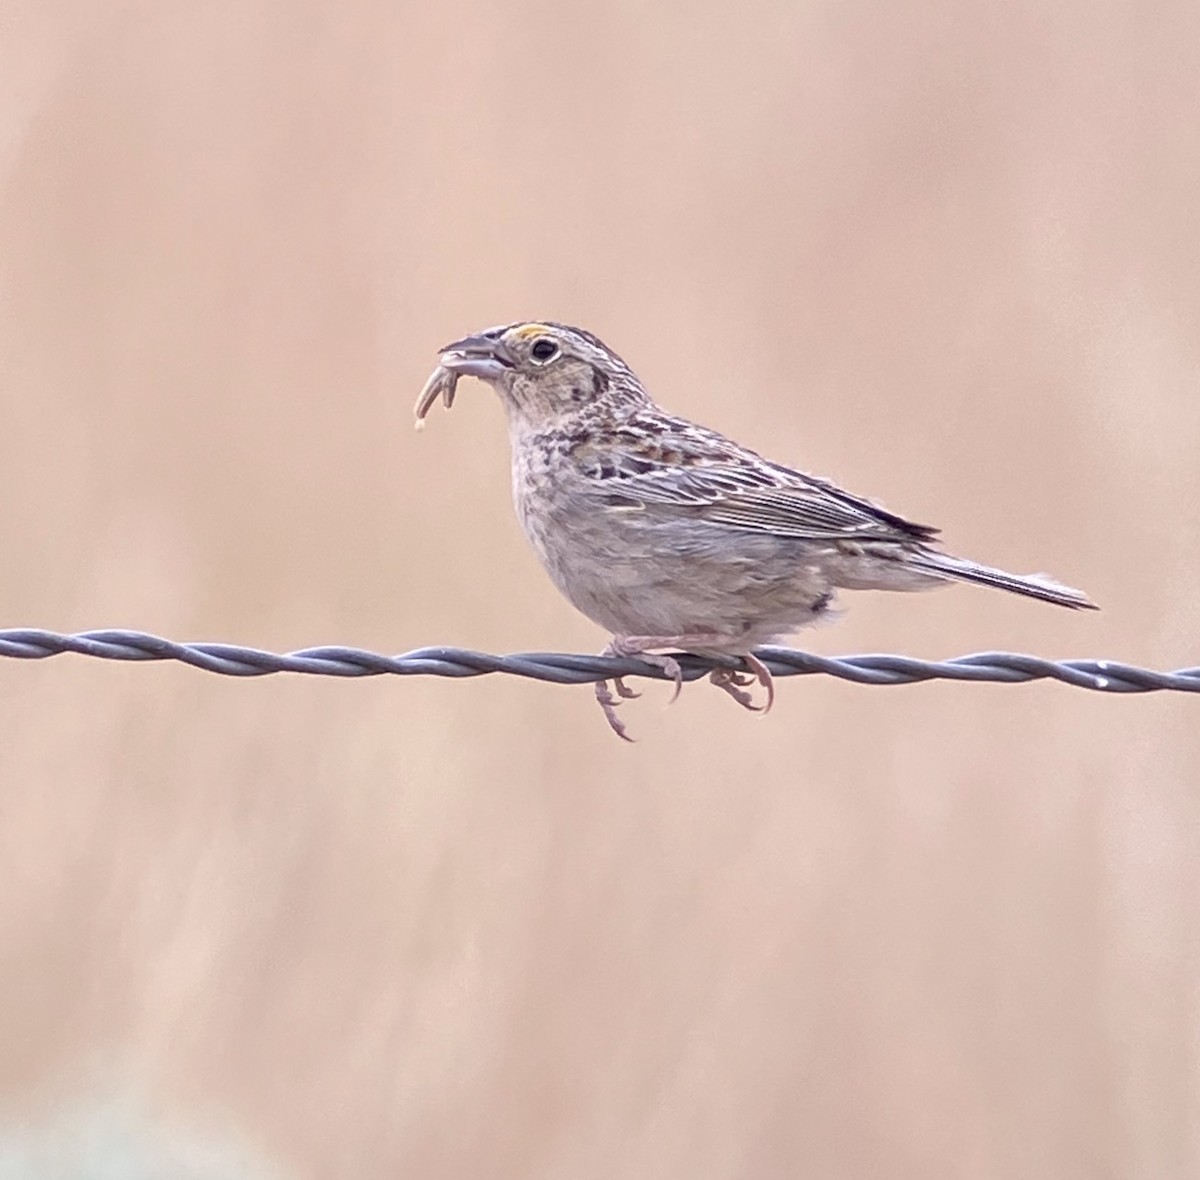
(477, 356)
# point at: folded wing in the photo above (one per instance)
(704, 476)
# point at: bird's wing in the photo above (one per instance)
(706, 477)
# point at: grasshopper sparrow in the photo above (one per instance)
(668, 534)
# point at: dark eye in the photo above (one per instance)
(544, 350)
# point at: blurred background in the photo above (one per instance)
(947, 254)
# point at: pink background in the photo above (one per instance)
(946, 253)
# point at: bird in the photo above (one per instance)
(671, 536)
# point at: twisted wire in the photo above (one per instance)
(560, 668)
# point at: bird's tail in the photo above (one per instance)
(959, 569)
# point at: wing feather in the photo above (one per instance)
(706, 477)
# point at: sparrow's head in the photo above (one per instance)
(543, 371)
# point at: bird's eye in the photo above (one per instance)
(544, 350)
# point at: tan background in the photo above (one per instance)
(310, 928)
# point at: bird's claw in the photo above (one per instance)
(609, 703)
(670, 665)
(735, 683)
(623, 690)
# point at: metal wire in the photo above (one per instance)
(559, 668)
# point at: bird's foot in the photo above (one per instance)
(730, 680)
(735, 683)
(609, 703)
(639, 645)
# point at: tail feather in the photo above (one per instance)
(1040, 586)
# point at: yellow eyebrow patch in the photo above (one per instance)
(527, 330)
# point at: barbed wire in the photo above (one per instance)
(228, 659)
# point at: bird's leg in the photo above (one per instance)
(609, 703)
(735, 683)
(699, 641)
(727, 679)
(641, 645)
(625, 645)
